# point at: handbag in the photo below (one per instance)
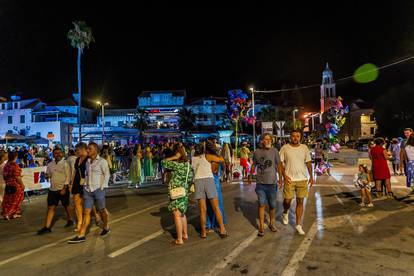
(180, 192)
(10, 190)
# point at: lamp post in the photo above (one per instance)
(102, 105)
(254, 119)
(294, 119)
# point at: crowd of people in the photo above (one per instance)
(81, 175)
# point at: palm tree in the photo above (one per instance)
(186, 120)
(142, 122)
(80, 37)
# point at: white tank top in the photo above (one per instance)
(201, 167)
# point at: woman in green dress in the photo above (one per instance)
(135, 169)
(181, 176)
(148, 166)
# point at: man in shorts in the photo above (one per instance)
(58, 173)
(297, 165)
(266, 160)
(97, 178)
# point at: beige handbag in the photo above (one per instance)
(180, 192)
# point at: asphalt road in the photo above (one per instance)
(341, 238)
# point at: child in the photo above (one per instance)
(362, 182)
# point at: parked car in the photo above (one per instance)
(351, 144)
(362, 144)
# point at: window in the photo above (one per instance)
(372, 130)
(3, 106)
(10, 120)
(107, 124)
(371, 117)
(22, 119)
(22, 132)
(15, 105)
(38, 134)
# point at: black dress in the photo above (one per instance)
(80, 172)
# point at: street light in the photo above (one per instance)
(102, 105)
(294, 119)
(254, 119)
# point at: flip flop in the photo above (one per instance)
(260, 233)
(272, 228)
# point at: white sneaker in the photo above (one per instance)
(362, 204)
(370, 205)
(300, 230)
(285, 218)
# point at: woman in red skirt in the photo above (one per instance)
(14, 191)
(381, 171)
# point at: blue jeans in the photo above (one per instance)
(409, 173)
(266, 194)
(90, 198)
(211, 221)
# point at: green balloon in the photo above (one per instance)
(366, 73)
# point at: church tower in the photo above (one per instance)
(328, 90)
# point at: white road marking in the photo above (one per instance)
(339, 200)
(144, 240)
(31, 252)
(233, 254)
(300, 253)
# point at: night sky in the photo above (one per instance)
(205, 51)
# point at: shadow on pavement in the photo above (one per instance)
(248, 208)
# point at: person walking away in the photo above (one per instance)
(380, 168)
(409, 160)
(362, 182)
(97, 178)
(244, 159)
(217, 162)
(148, 165)
(135, 169)
(181, 176)
(266, 160)
(58, 174)
(205, 188)
(319, 155)
(78, 181)
(14, 190)
(3, 161)
(395, 153)
(407, 132)
(297, 168)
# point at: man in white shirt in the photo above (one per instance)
(97, 178)
(58, 173)
(297, 167)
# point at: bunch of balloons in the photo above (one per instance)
(336, 119)
(238, 105)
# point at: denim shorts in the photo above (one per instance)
(205, 187)
(266, 194)
(90, 198)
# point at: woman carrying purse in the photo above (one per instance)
(181, 176)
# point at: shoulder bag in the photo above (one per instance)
(180, 192)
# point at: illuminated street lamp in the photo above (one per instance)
(294, 118)
(254, 119)
(102, 105)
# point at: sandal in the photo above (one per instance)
(203, 236)
(224, 235)
(260, 233)
(176, 243)
(272, 228)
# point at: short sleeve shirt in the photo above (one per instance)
(294, 160)
(266, 162)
